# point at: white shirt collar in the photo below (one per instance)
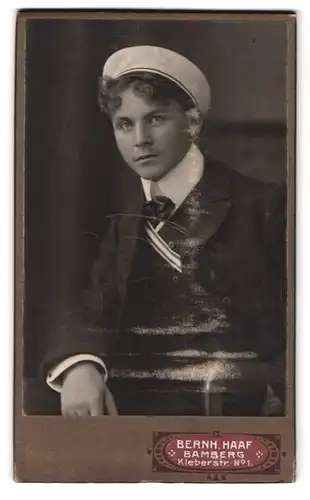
(178, 183)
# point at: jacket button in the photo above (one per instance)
(175, 279)
(226, 301)
(171, 244)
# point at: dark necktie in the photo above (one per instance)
(159, 208)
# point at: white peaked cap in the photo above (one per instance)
(164, 62)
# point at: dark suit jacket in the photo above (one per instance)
(241, 259)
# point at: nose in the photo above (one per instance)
(142, 136)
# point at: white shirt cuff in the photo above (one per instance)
(54, 379)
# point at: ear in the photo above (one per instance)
(194, 120)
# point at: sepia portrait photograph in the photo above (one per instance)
(157, 167)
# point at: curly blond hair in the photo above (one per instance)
(150, 87)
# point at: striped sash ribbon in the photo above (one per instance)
(162, 247)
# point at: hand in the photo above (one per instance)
(84, 392)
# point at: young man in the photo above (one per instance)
(186, 312)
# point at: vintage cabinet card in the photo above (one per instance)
(155, 184)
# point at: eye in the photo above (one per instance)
(124, 125)
(157, 119)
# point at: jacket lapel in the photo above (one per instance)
(210, 201)
(203, 211)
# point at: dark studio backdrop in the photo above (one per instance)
(72, 165)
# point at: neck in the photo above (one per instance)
(181, 179)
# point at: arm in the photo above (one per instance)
(261, 308)
(82, 342)
(274, 213)
(90, 328)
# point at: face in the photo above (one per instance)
(152, 137)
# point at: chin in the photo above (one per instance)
(150, 173)
(152, 177)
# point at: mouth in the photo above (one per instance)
(142, 158)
